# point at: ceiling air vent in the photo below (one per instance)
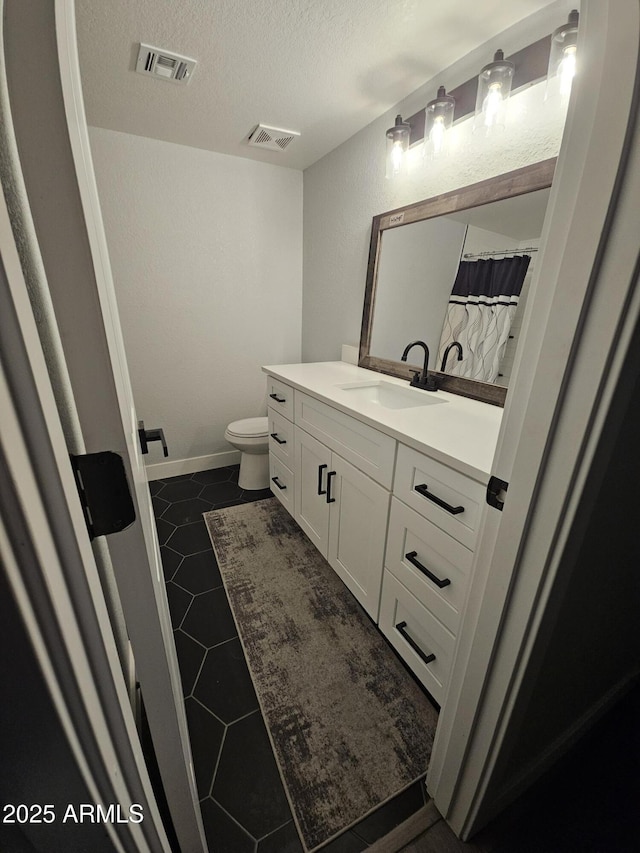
(271, 138)
(164, 64)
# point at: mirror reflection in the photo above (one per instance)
(459, 282)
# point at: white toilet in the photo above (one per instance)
(251, 437)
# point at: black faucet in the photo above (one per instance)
(421, 380)
(446, 354)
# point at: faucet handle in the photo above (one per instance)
(428, 384)
(431, 383)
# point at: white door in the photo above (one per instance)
(357, 532)
(574, 352)
(313, 461)
(94, 353)
(48, 565)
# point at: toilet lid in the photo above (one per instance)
(257, 427)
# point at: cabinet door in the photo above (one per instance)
(313, 461)
(357, 532)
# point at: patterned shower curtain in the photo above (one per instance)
(481, 309)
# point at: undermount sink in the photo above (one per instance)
(390, 396)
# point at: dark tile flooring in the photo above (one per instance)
(244, 806)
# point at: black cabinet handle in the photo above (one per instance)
(422, 490)
(400, 628)
(278, 483)
(330, 500)
(321, 468)
(278, 399)
(411, 556)
(274, 436)
(147, 435)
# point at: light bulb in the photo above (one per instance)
(567, 69)
(398, 138)
(562, 58)
(397, 155)
(438, 119)
(436, 137)
(491, 104)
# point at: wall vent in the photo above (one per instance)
(164, 64)
(271, 138)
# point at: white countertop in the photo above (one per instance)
(460, 432)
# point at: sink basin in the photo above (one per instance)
(390, 396)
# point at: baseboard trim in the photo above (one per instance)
(408, 830)
(176, 467)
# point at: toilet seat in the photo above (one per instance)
(249, 428)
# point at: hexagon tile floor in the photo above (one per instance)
(244, 806)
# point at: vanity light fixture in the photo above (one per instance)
(562, 57)
(494, 88)
(438, 121)
(397, 147)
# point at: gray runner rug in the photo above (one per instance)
(349, 727)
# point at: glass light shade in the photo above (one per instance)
(494, 88)
(562, 57)
(438, 121)
(397, 148)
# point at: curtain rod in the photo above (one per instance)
(505, 252)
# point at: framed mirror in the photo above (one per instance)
(453, 271)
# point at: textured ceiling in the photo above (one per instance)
(325, 68)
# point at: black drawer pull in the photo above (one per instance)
(321, 468)
(330, 500)
(278, 399)
(274, 436)
(277, 482)
(411, 556)
(422, 490)
(400, 628)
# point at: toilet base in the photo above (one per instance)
(254, 471)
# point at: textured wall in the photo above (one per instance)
(206, 251)
(344, 190)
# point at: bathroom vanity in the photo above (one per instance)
(388, 482)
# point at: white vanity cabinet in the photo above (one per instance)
(344, 513)
(397, 524)
(433, 528)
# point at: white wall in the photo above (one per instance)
(344, 190)
(416, 270)
(206, 251)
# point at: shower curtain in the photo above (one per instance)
(481, 309)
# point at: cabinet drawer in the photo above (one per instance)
(416, 635)
(444, 496)
(281, 437)
(413, 542)
(280, 397)
(365, 447)
(281, 482)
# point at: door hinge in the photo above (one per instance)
(104, 492)
(496, 490)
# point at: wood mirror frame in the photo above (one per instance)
(519, 182)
